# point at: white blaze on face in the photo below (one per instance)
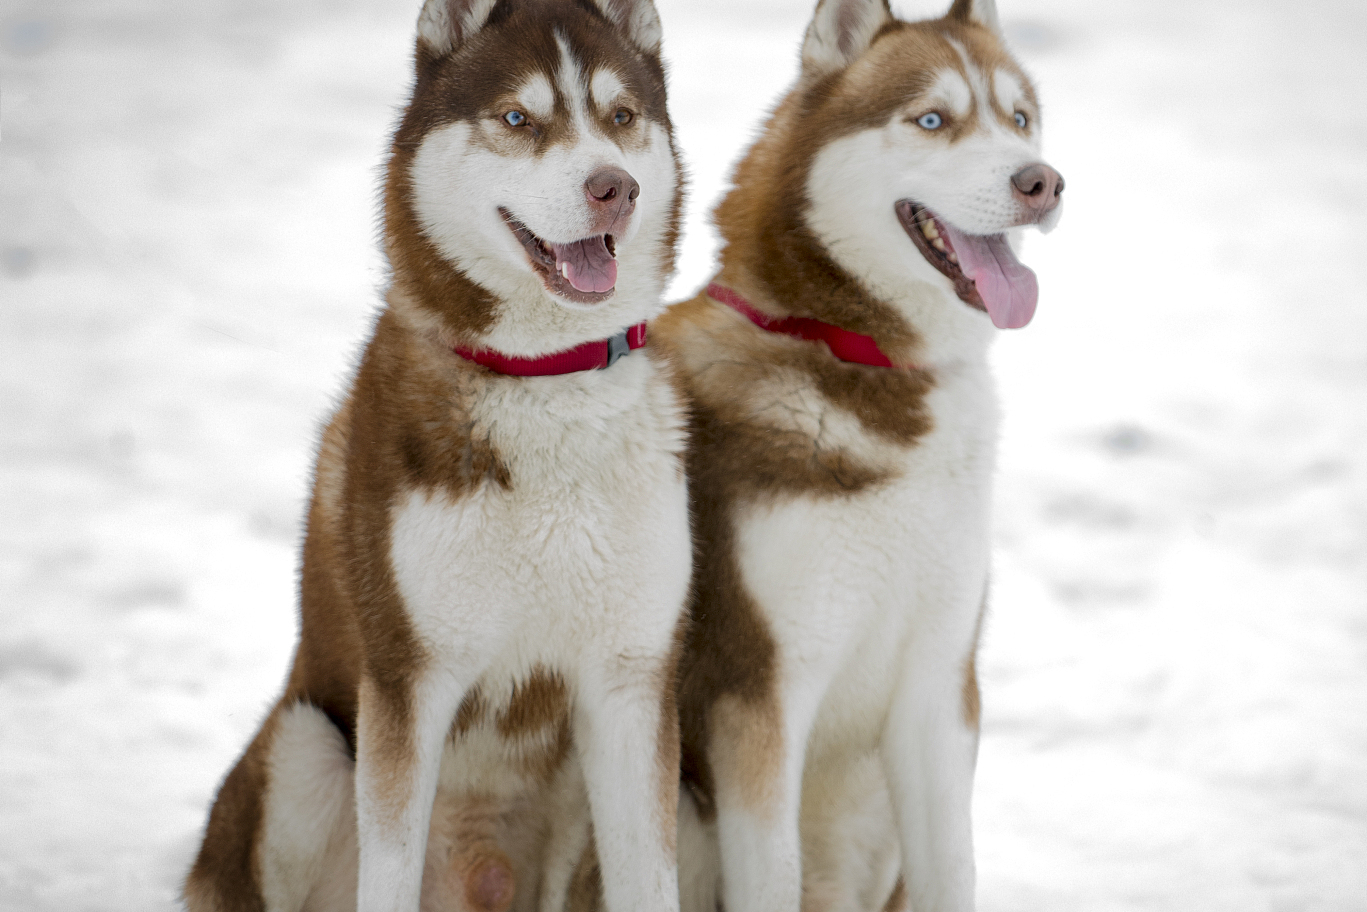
(951, 93)
(466, 171)
(537, 97)
(968, 182)
(605, 88)
(1009, 91)
(960, 170)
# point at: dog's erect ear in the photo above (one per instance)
(977, 12)
(637, 19)
(841, 30)
(444, 25)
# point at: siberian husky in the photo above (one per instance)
(497, 555)
(841, 464)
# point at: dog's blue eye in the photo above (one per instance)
(622, 117)
(1020, 120)
(515, 118)
(931, 121)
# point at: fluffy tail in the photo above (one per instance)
(273, 820)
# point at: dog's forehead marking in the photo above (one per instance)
(605, 87)
(950, 89)
(570, 79)
(1009, 88)
(537, 96)
(972, 73)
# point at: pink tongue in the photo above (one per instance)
(1008, 287)
(587, 264)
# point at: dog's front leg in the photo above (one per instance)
(756, 752)
(626, 729)
(930, 748)
(400, 732)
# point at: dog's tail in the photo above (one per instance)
(278, 818)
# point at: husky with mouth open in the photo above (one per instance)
(840, 470)
(497, 553)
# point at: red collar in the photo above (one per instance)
(589, 356)
(853, 347)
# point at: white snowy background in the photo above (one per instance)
(1175, 672)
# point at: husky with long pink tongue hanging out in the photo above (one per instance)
(840, 470)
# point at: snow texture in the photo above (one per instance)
(1175, 671)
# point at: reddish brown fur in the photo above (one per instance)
(406, 426)
(897, 902)
(225, 876)
(667, 738)
(769, 253)
(586, 887)
(478, 83)
(773, 259)
(972, 697)
(539, 702)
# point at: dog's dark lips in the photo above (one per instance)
(931, 238)
(543, 263)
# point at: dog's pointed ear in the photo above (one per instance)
(840, 31)
(444, 25)
(976, 12)
(637, 19)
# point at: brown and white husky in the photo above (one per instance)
(497, 554)
(841, 466)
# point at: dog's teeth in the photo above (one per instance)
(565, 269)
(929, 230)
(952, 257)
(938, 244)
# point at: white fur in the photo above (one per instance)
(459, 187)
(949, 92)
(579, 567)
(445, 24)
(851, 857)
(310, 851)
(984, 13)
(605, 88)
(1009, 90)
(839, 32)
(308, 798)
(699, 859)
(638, 19)
(856, 181)
(537, 96)
(873, 599)
(392, 847)
(582, 567)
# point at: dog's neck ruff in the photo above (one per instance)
(598, 355)
(846, 345)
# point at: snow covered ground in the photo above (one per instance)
(1175, 672)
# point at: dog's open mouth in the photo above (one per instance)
(583, 271)
(983, 268)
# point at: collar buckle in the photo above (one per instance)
(618, 347)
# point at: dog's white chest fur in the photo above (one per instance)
(590, 535)
(847, 583)
(575, 570)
